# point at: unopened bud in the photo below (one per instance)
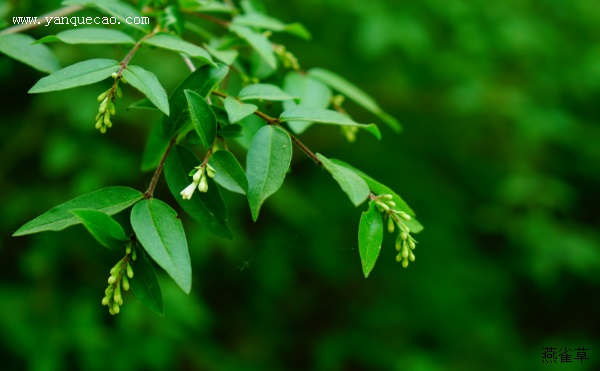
(398, 246)
(203, 186)
(105, 300)
(404, 216)
(119, 92)
(98, 123)
(123, 79)
(387, 197)
(112, 279)
(128, 250)
(391, 203)
(116, 268)
(390, 225)
(403, 235)
(398, 258)
(129, 271)
(118, 299)
(102, 96)
(111, 311)
(133, 255)
(411, 244)
(111, 108)
(197, 176)
(404, 263)
(114, 75)
(107, 119)
(411, 256)
(116, 308)
(125, 283)
(210, 171)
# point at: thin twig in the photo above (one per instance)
(56, 13)
(210, 18)
(148, 194)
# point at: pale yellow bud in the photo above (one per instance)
(390, 225)
(404, 263)
(129, 271)
(203, 185)
(105, 300)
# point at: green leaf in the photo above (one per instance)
(147, 83)
(237, 110)
(90, 35)
(203, 118)
(159, 230)
(325, 116)
(20, 47)
(348, 89)
(354, 186)
(228, 172)
(120, 10)
(225, 56)
(231, 131)
(156, 145)
(370, 237)
(379, 189)
(109, 200)
(263, 91)
(105, 229)
(269, 23)
(258, 41)
(208, 208)
(267, 162)
(202, 81)
(144, 283)
(176, 44)
(78, 74)
(312, 93)
(144, 104)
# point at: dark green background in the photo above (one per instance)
(499, 158)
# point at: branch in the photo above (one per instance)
(57, 13)
(210, 18)
(148, 194)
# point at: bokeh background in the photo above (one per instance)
(500, 158)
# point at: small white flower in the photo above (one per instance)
(187, 193)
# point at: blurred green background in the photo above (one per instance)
(499, 158)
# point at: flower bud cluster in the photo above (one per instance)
(107, 105)
(405, 243)
(199, 175)
(119, 278)
(288, 59)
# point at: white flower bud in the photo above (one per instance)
(390, 225)
(114, 75)
(404, 263)
(411, 244)
(210, 171)
(203, 186)
(187, 193)
(111, 280)
(105, 300)
(102, 96)
(411, 256)
(197, 176)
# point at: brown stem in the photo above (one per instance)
(303, 148)
(148, 194)
(57, 13)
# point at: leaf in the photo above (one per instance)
(225, 56)
(144, 104)
(229, 173)
(237, 110)
(78, 74)
(203, 118)
(370, 237)
(208, 208)
(263, 91)
(269, 23)
(176, 44)
(378, 189)
(105, 229)
(231, 131)
(109, 200)
(354, 186)
(19, 46)
(147, 83)
(325, 116)
(90, 35)
(258, 41)
(120, 10)
(202, 81)
(144, 283)
(348, 89)
(311, 92)
(156, 145)
(159, 230)
(267, 162)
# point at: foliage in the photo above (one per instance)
(197, 112)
